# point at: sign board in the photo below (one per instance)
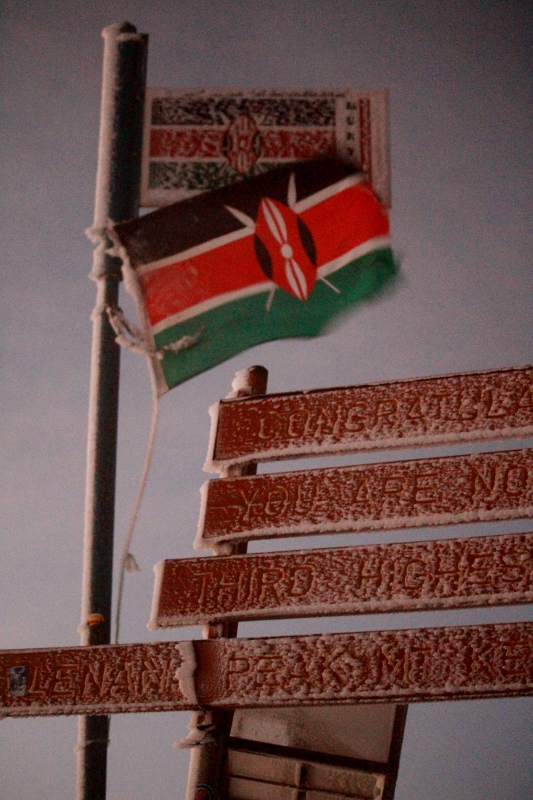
(197, 140)
(106, 679)
(273, 777)
(447, 663)
(391, 495)
(412, 413)
(361, 732)
(453, 573)
(347, 751)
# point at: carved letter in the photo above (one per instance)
(516, 480)
(301, 581)
(267, 580)
(267, 428)
(248, 504)
(423, 487)
(526, 400)
(277, 502)
(386, 409)
(415, 575)
(492, 402)
(485, 483)
(394, 485)
(298, 422)
(415, 409)
(356, 417)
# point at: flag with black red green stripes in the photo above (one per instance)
(277, 256)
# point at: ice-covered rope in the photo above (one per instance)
(128, 562)
(131, 338)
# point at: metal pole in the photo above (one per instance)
(116, 199)
(208, 776)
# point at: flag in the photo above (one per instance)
(197, 140)
(276, 256)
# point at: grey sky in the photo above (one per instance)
(460, 77)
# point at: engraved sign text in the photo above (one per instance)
(452, 573)
(374, 666)
(393, 495)
(471, 406)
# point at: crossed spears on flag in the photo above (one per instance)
(279, 224)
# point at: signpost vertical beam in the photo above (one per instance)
(208, 762)
(116, 199)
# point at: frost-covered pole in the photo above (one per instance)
(117, 199)
(208, 762)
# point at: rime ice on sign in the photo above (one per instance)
(450, 408)
(489, 570)
(438, 491)
(377, 666)
(387, 666)
(96, 680)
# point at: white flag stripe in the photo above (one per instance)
(356, 252)
(329, 191)
(377, 243)
(213, 302)
(192, 252)
(302, 205)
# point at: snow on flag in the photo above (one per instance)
(272, 257)
(196, 140)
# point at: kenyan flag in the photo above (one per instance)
(273, 257)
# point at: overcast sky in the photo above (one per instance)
(460, 77)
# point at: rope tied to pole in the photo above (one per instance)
(132, 338)
(128, 562)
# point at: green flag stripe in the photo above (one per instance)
(231, 328)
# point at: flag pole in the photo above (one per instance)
(116, 199)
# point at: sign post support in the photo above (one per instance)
(116, 198)
(208, 762)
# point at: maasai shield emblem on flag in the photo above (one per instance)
(273, 257)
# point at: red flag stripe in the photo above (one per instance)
(172, 289)
(297, 144)
(338, 225)
(345, 221)
(209, 143)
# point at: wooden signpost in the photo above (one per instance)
(104, 679)
(452, 573)
(340, 751)
(441, 574)
(391, 495)
(448, 663)
(413, 413)
(216, 675)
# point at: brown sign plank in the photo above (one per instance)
(453, 573)
(451, 408)
(91, 680)
(390, 666)
(373, 666)
(398, 494)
